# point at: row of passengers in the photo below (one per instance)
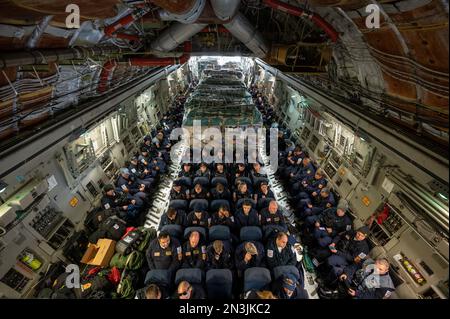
(245, 216)
(179, 191)
(167, 253)
(228, 171)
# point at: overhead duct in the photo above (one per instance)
(175, 36)
(245, 32)
(296, 11)
(186, 12)
(153, 61)
(225, 9)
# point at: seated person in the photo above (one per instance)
(127, 185)
(247, 216)
(219, 256)
(240, 171)
(242, 192)
(317, 205)
(152, 291)
(187, 291)
(186, 171)
(158, 165)
(257, 171)
(220, 192)
(219, 171)
(194, 253)
(305, 171)
(125, 205)
(293, 162)
(287, 287)
(273, 216)
(361, 285)
(198, 218)
(164, 253)
(179, 191)
(140, 173)
(262, 294)
(248, 255)
(203, 171)
(223, 217)
(199, 192)
(348, 253)
(160, 142)
(330, 223)
(279, 252)
(263, 192)
(311, 186)
(173, 217)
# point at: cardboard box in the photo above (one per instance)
(99, 254)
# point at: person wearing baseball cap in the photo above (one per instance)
(288, 287)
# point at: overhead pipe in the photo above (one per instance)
(13, 59)
(153, 61)
(186, 12)
(175, 35)
(245, 32)
(174, 6)
(38, 32)
(107, 71)
(296, 11)
(225, 9)
(110, 31)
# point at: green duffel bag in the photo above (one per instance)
(136, 260)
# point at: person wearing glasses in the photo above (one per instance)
(187, 291)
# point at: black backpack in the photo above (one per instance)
(114, 227)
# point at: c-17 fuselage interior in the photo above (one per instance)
(235, 169)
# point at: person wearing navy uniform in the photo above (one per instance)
(311, 186)
(220, 192)
(125, 205)
(140, 173)
(348, 252)
(187, 291)
(198, 218)
(219, 171)
(219, 256)
(331, 223)
(263, 192)
(223, 217)
(178, 191)
(186, 171)
(279, 252)
(246, 216)
(305, 171)
(272, 216)
(372, 281)
(288, 287)
(164, 252)
(203, 171)
(248, 254)
(127, 185)
(194, 252)
(317, 205)
(199, 192)
(173, 217)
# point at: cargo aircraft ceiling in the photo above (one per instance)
(399, 67)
